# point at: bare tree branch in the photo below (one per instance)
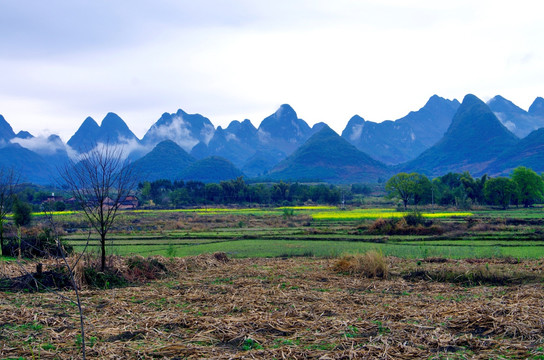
(99, 182)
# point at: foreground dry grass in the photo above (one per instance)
(282, 308)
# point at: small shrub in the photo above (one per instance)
(140, 269)
(409, 225)
(287, 212)
(36, 242)
(383, 226)
(103, 280)
(250, 344)
(59, 206)
(171, 251)
(370, 264)
(56, 278)
(414, 218)
(221, 256)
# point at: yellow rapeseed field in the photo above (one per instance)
(378, 213)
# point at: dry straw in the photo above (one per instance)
(372, 264)
(284, 309)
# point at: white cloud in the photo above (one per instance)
(356, 132)
(124, 149)
(231, 137)
(207, 133)
(264, 137)
(177, 131)
(44, 145)
(242, 58)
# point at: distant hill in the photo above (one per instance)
(211, 169)
(6, 132)
(258, 150)
(113, 131)
(24, 135)
(113, 128)
(537, 107)
(54, 153)
(167, 160)
(517, 120)
(328, 157)
(262, 162)
(85, 137)
(200, 151)
(237, 143)
(50, 149)
(394, 142)
(448, 136)
(184, 129)
(474, 139)
(283, 130)
(30, 166)
(528, 152)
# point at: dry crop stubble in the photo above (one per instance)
(212, 307)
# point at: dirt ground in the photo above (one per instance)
(295, 308)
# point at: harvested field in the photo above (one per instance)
(212, 307)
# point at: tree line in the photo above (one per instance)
(523, 188)
(166, 193)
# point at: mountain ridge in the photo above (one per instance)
(394, 142)
(473, 140)
(326, 156)
(113, 130)
(259, 151)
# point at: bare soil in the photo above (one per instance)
(211, 307)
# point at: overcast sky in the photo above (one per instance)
(61, 61)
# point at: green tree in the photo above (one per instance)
(196, 191)
(530, 185)
(8, 182)
(22, 213)
(500, 191)
(146, 190)
(473, 188)
(240, 189)
(422, 189)
(179, 197)
(159, 190)
(362, 189)
(280, 192)
(59, 206)
(214, 193)
(260, 193)
(229, 191)
(402, 186)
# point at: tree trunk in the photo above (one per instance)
(103, 252)
(2, 238)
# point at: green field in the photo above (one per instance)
(316, 231)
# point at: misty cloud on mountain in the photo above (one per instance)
(178, 131)
(45, 145)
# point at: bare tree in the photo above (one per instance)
(71, 269)
(99, 182)
(71, 272)
(9, 180)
